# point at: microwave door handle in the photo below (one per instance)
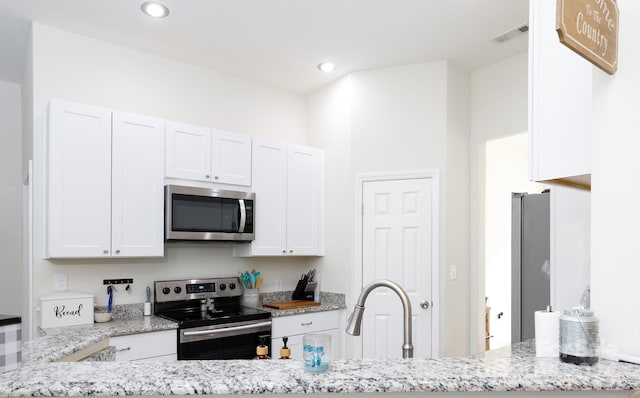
(243, 215)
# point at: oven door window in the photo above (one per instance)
(230, 341)
(233, 347)
(205, 214)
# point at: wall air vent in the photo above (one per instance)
(511, 33)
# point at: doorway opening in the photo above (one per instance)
(506, 171)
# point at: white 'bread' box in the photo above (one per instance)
(66, 309)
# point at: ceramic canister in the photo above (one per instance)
(579, 336)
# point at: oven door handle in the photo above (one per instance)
(229, 329)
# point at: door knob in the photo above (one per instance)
(424, 304)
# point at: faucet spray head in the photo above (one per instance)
(354, 324)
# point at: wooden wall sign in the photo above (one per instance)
(590, 28)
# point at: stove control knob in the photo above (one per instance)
(222, 286)
(177, 289)
(232, 285)
(166, 290)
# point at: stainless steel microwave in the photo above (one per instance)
(206, 214)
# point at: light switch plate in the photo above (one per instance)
(453, 272)
(60, 282)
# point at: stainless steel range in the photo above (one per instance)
(211, 322)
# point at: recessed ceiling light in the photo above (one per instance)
(155, 10)
(326, 66)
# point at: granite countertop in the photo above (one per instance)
(328, 302)
(57, 343)
(515, 369)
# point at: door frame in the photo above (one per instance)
(434, 175)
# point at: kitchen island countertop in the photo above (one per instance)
(56, 344)
(502, 370)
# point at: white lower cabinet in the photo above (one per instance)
(296, 326)
(152, 346)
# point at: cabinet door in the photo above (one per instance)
(145, 346)
(560, 101)
(296, 326)
(231, 158)
(305, 201)
(137, 186)
(188, 152)
(79, 180)
(269, 175)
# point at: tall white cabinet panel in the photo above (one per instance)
(288, 181)
(560, 102)
(105, 179)
(231, 158)
(137, 186)
(269, 173)
(305, 200)
(188, 153)
(79, 180)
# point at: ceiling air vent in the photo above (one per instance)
(511, 33)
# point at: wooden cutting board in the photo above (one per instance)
(288, 305)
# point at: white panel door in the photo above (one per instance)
(79, 180)
(269, 175)
(137, 186)
(397, 245)
(305, 209)
(231, 158)
(188, 152)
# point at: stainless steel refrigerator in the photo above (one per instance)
(530, 282)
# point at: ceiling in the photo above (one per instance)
(280, 42)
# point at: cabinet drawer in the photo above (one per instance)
(304, 323)
(145, 345)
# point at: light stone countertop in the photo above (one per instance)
(513, 368)
(57, 343)
(328, 302)
(497, 371)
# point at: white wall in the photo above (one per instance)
(455, 221)
(328, 115)
(507, 162)
(615, 268)
(10, 200)
(81, 69)
(498, 109)
(395, 120)
(570, 249)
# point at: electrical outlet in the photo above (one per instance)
(453, 272)
(278, 285)
(60, 282)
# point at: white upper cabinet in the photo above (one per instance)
(305, 201)
(188, 151)
(204, 154)
(288, 181)
(137, 180)
(103, 199)
(560, 103)
(79, 180)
